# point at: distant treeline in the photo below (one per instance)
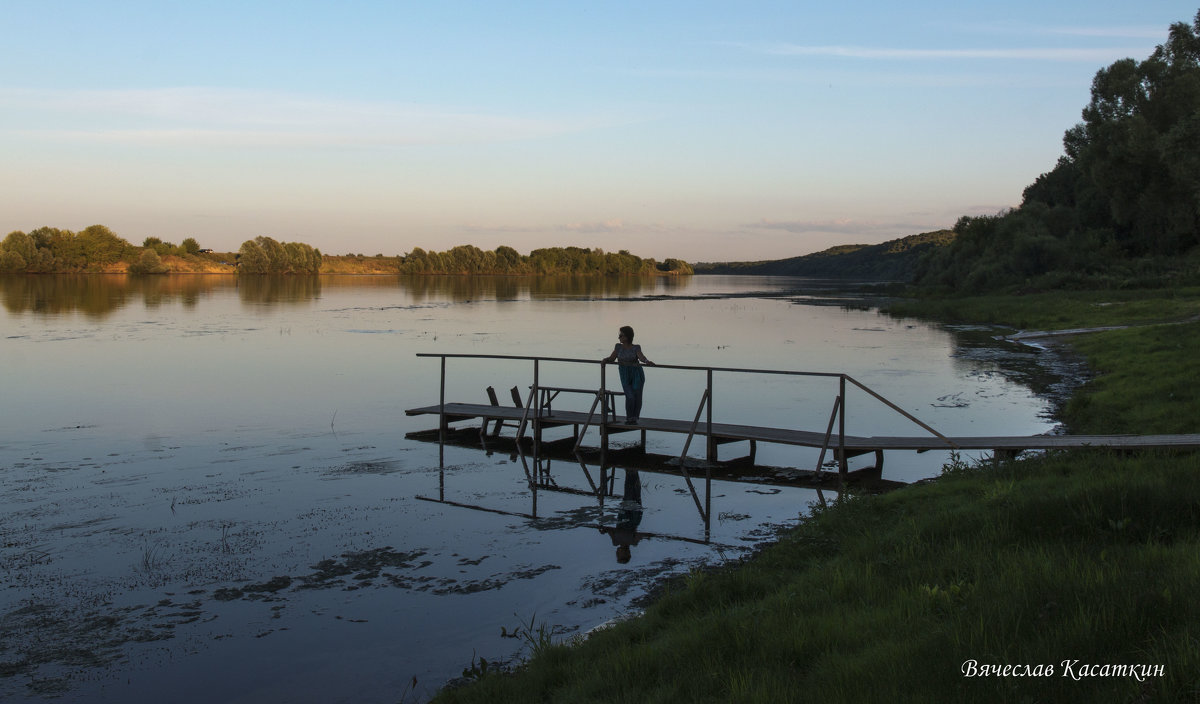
(895, 260)
(468, 259)
(1121, 207)
(97, 249)
(51, 250)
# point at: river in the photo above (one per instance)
(208, 492)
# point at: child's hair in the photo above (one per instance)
(628, 333)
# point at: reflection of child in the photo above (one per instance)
(629, 517)
(633, 379)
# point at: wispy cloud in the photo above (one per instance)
(1156, 33)
(604, 227)
(217, 116)
(1014, 28)
(1091, 55)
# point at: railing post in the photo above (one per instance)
(603, 412)
(712, 443)
(603, 390)
(442, 401)
(843, 464)
(537, 409)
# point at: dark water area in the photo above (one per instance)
(210, 493)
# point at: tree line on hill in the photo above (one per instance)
(1120, 208)
(1122, 205)
(894, 260)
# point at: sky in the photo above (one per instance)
(705, 131)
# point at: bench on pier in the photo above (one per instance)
(500, 422)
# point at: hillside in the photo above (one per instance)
(894, 260)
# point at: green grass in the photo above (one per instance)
(1147, 381)
(1058, 310)
(1085, 556)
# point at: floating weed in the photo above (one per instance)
(225, 546)
(154, 558)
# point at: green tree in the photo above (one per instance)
(416, 262)
(1135, 153)
(508, 260)
(11, 262)
(190, 246)
(264, 255)
(277, 258)
(252, 259)
(22, 245)
(148, 263)
(101, 246)
(1126, 190)
(465, 259)
(160, 247)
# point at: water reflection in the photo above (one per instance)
(624, 534)
(261, 290)
(616, 515)
(99, 295)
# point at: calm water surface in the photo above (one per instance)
(208, 493)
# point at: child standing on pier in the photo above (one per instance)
(633, 379)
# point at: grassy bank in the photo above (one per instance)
(1059, 310)
(1058, 566)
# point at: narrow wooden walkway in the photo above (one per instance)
(854, 445)
(536, 413)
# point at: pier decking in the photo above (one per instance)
(537, 413)
(723, 432)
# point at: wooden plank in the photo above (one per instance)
(726, 432)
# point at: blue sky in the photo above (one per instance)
(700, 130)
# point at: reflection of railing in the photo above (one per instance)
(539, 479)
(830, 440)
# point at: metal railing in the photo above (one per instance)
(705, 408)
(603, 396)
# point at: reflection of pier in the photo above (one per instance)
(739, 469)
(537, 413)
(600, 478)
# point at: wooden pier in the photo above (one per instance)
(536, 413)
